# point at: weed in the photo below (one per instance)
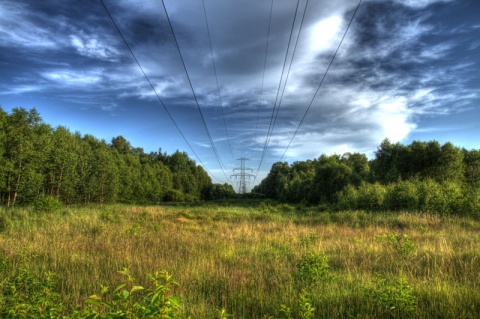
(130, 301)
(5, 222)
(311, 268)
(25, 295)
(393, 298)
(401, 244)
(311, 238)
(47, 204)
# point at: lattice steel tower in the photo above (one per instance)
(242, 183)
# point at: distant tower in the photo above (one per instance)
(242, 183)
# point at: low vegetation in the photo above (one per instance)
(252, 260)
(340, 236)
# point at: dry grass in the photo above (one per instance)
(245, 260)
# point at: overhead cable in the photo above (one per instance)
(264, 67)
(270, 127)
(323, 78)
(216, 79)
(217, 155)
(155, 91)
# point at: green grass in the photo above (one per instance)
(253, 258)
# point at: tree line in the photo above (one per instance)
(422, 176)
(38, 160)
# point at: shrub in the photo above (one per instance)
(311, 268)
(25, 295)
(371, 196)
(401, 244)
(5, 222)
(392, 298)
(431, 197)
(454, 195)
(402, 196)
(470, 206)
(47, 204)
(130, 301)
(347, 198)
(173, 195)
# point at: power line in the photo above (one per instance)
(323, 78)
(194, 95)
(216, 79)
(289, 68)
(155, 91)
(270, 127)
(264, 67)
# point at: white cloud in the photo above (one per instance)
(419, 4)
(20, 89)
(73, 78)
(324, 33)
(91, 46)
(17, 30)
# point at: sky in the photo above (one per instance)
(253, 82)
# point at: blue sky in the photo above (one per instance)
(406, 70)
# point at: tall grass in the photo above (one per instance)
(251, 260)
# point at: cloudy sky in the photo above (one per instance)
(406, 70)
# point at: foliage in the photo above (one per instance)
(128, 300)
(422, 176)
(47, 204)
(36, 159)
(311, 268)
(394, 299)
(401, 244)
(228, 258)
(25, 295)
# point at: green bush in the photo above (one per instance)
(371, 197)
(347, 198)
(173, 195)
(47, 204)
(128, 300)
(25, 295)
(311, 268)
(431, 197)
(470, 205)
(394, 299)
(454, 194)
(402, 195)
(5, 222)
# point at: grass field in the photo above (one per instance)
(254, 261)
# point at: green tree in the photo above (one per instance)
(4, 162)
(386, 167)
(331, 176)
(300, 184)
(472, 167)
(19, 150)
(60, 169)
(450, 164)
(276, 181)
(104, 179)
(359, 165)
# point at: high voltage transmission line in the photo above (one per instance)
(155, 91)
(270, 127)
(264, 67)
(323, 78)
(216, 80)
(278, 100)
(217, 155)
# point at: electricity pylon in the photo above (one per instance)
(242, 183)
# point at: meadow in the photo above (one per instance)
(244, 260)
